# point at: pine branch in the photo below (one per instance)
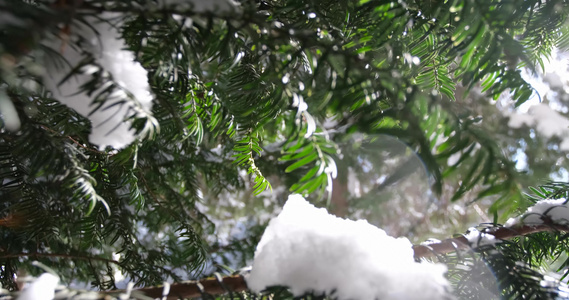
(184, 290)
(217, 286)
(76, 142)
(500, 233)
(37, 255)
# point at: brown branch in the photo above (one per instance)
(237, 283)
(190, 289)
(500, 233)
(35, 254)
(73, 140)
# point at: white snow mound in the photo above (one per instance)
(309, 250)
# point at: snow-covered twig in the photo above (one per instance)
(499, 233)
(545, 215)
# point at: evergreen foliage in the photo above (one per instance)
(254, 90)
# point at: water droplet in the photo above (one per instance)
(416, 60)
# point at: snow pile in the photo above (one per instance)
(546, 120)
(43, 288)
(309, 250)
(554, 210)
(103, 41)
(477, 239)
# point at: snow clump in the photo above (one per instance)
(42, 288)
(477, 239)
(308, 250)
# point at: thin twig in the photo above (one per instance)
(500, 233)
(73, 140)
(36, 254)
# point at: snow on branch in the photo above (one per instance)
(48, 287)
(548, 211)
(90, 71)
(310, 251)
(42, 288)
(499, 233)
(545, 215)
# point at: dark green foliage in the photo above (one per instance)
(549, 190)
(490, 273)
(514, 268)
